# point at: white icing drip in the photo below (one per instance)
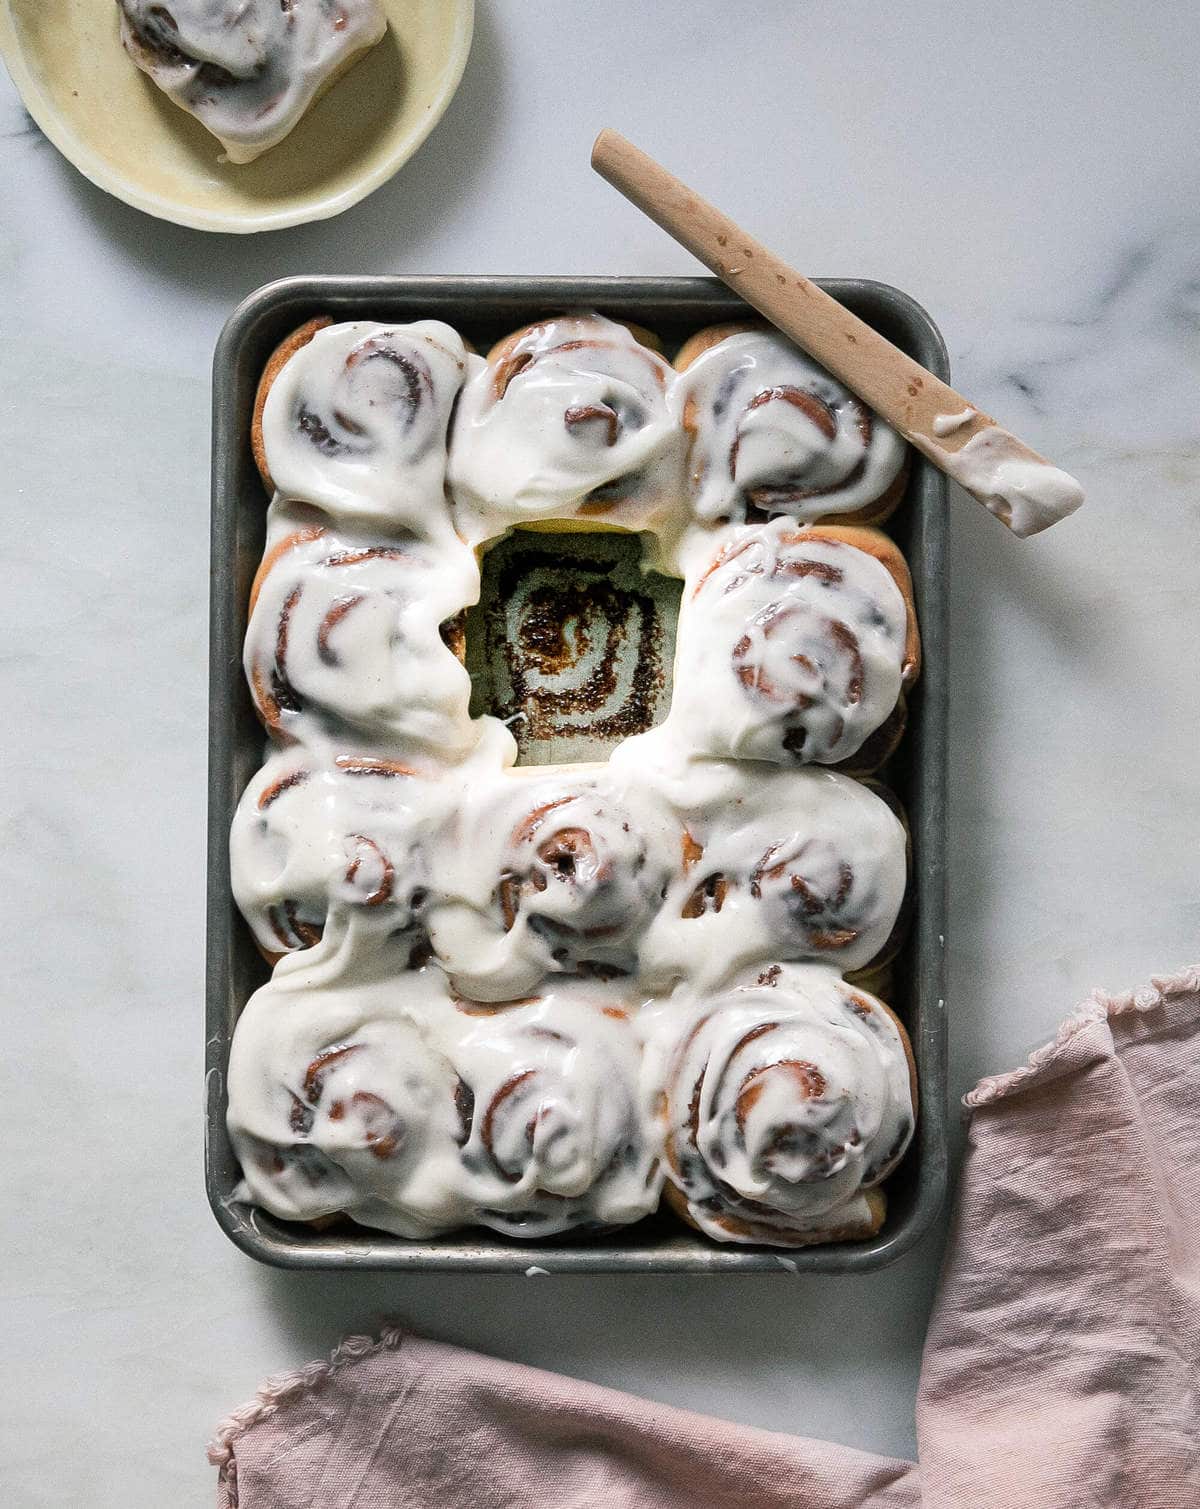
(248, 72)
(344, 643)
(1028, 496)
(585, 408)
(355, 423)
(761, 412)
(790, 649)
(786, 1098)
(946, 424)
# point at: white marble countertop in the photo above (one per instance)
(1028, 172)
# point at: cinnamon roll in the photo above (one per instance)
(555, 875)
(356, 836)
(353, 420)
(560, 1138)
(790, 865)
(771, 432)
(567, 420)
(787, 1101)
(347, 637)
(341, 1100)
(248, 72)
(795, 647)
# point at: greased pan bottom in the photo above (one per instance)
(485, 309)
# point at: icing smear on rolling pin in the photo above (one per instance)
(1025, 493)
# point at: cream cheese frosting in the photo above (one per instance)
(486, 976)
(1025, 493)
(791, 648)
(549, 873)
(773, 431)
(569, 419)
(248, 71)
(787, 1098)
(309, 838)
(374, 1090)
(356, 421)
(345, 642)
(776, 864)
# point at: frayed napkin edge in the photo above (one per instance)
(283, 1388)
(1099, 1007)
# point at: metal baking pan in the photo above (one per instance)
(485, 309)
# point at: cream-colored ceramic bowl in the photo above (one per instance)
(105, 116)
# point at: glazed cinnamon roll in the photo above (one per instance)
(796, 865)
(352, 418)
(560, 1137)
(557, 878)
(787, 1101)
(249, 71)
(346, 636)
(341, 1100)
(355, 836)
(568, 419)
(771, 432)
(795, 646)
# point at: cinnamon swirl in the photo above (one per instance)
(787, 1101)
(567, 420)
(248, 72)
(771, 432)
(795, 647)
(354, 421)
(346, 638)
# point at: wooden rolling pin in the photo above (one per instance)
(1013, 482)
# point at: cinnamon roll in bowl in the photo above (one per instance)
(248, 72)
(787, 1100)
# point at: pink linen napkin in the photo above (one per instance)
(1061, 1368)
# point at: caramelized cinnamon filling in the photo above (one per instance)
(363, 765)
(581, 416)
(337, 611)
(497, 1104)
(708, 896)
(276, 789)
(383, 891)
